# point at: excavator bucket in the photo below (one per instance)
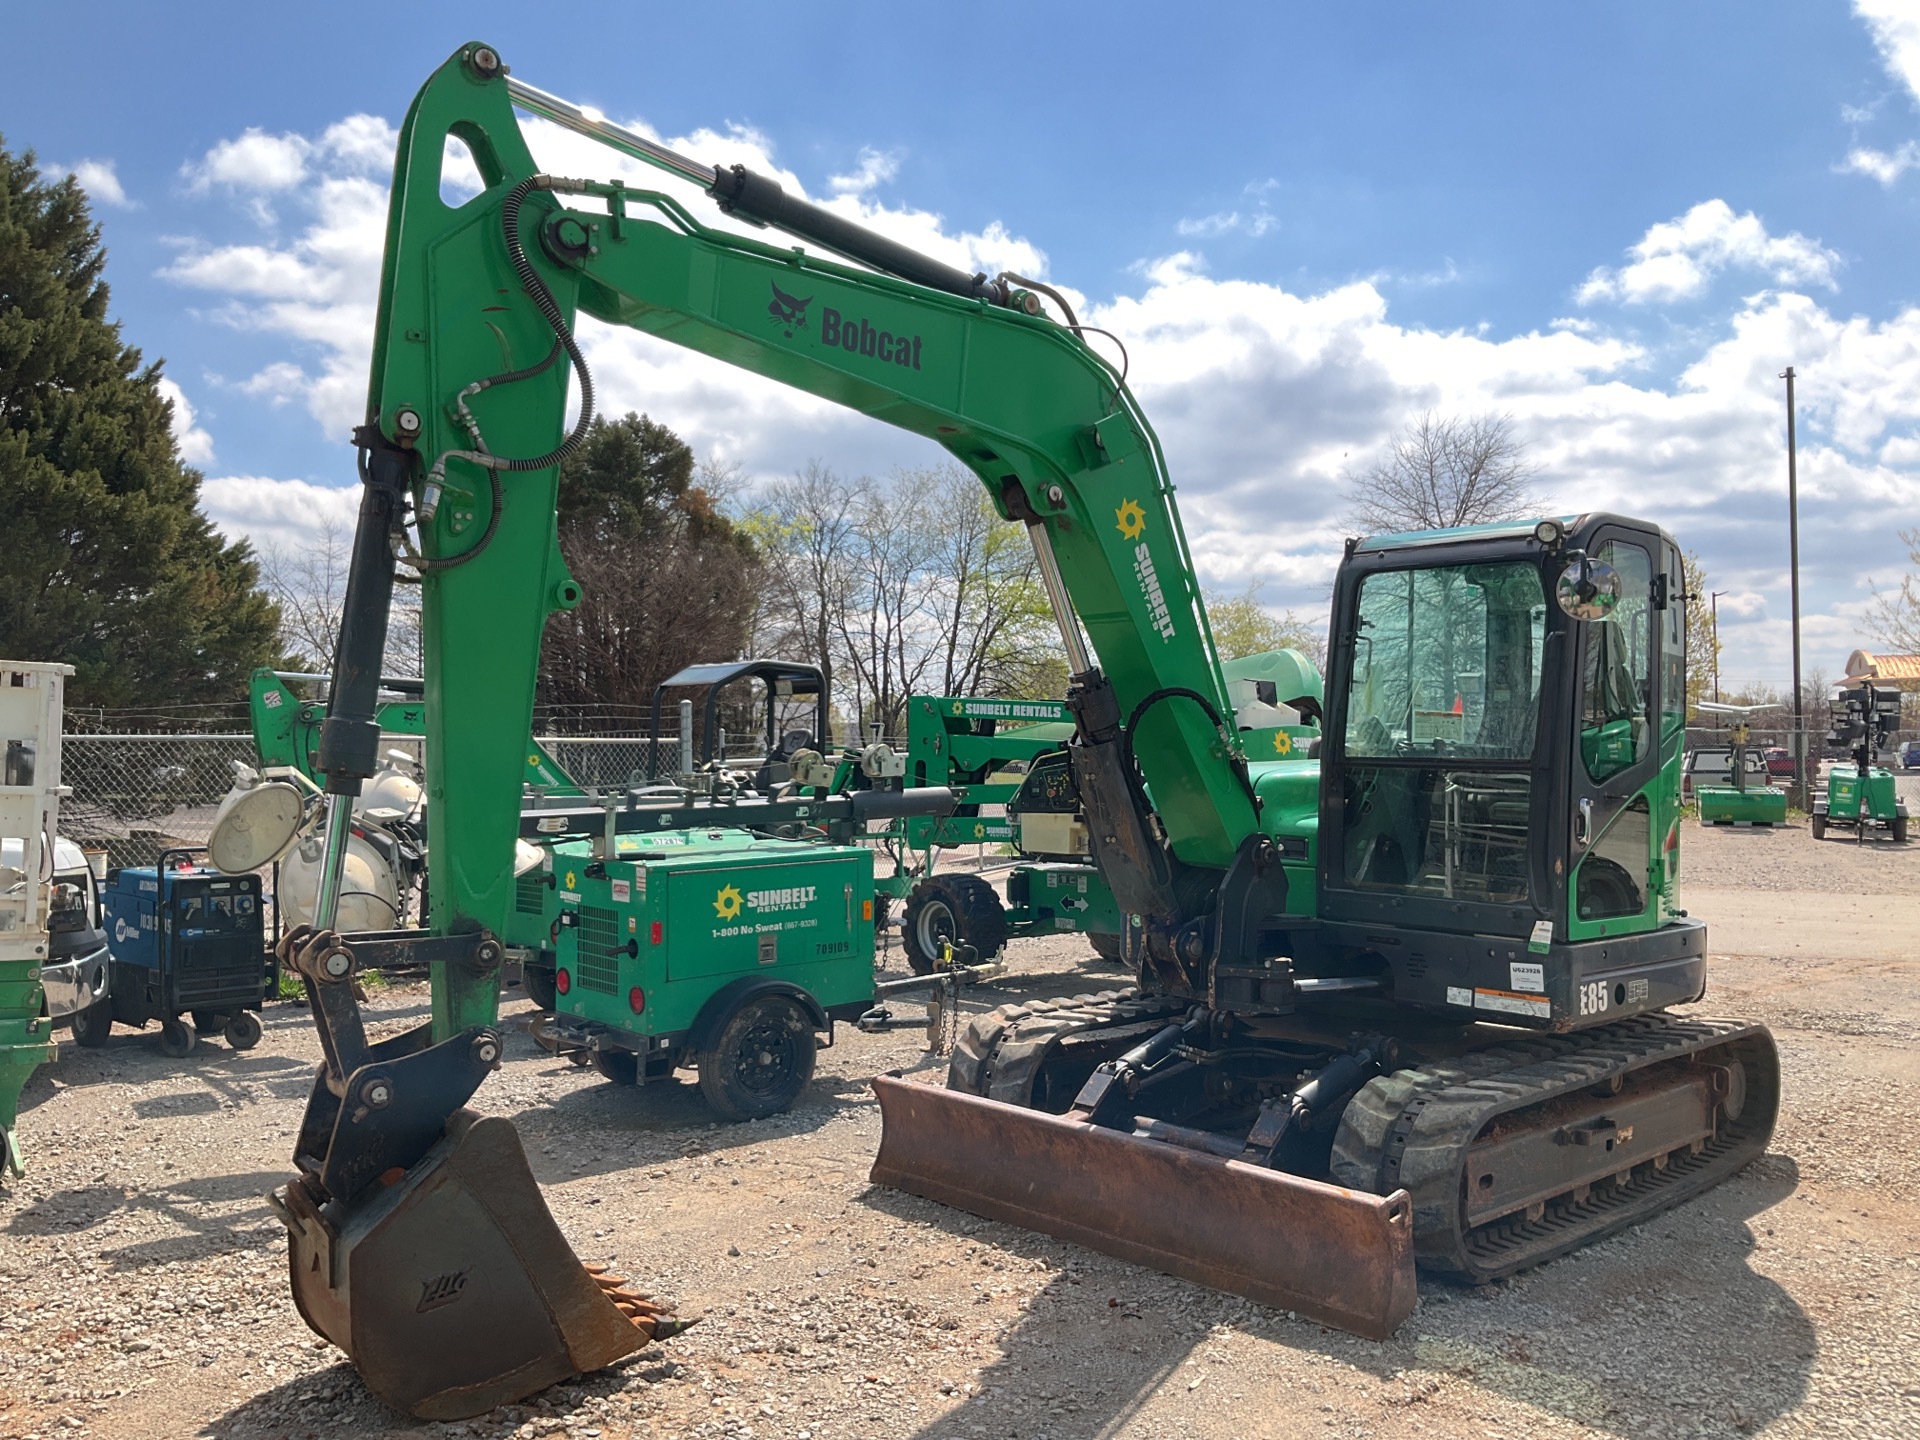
(1339, 1256)
(451, 1289)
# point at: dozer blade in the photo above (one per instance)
(452, 1290)
(1340, 1256)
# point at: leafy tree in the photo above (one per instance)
(1440, 471)
(1242, 626)
(668, 580)
(110, 565)
(1703, 645)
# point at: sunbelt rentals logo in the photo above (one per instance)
(729, 901)
(1131, 521)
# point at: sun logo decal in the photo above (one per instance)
(1133, 520)
(727, 903)
(979, 832)
(959, 707)
(1282, 743)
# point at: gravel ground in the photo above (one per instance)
(142, 1287)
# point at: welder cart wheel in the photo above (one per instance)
(1107, 947)
(243, 1030)
(176, 1038)
(959, 908)
(538, 980)
(93, 1025)
(1818, 821)
(760, 1060)
(1898, 826)
(622, 1067)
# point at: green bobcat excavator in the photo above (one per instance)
(1403, 999)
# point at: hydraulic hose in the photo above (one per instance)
(549, 308)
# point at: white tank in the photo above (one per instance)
(369, 891)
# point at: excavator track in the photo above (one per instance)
(1423, 1128)
(1001, 1055)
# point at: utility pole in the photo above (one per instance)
(1793, 563)
(1713, 604)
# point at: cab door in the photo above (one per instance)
(1624, 732)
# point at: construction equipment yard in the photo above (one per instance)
(145, 1294)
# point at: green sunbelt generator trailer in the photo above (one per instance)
(1404, 1002)
(1861, 795)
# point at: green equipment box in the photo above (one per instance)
(652, 952)
(1728, 805)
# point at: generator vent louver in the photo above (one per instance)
(599, 947)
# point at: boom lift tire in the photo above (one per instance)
(93, 1025)
(960, 908)
(1107, 947)
(760, 1060)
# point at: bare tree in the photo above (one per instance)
(909, 586)
(1703, 644)
(1440, 471)
(309, 584)
(1893, 617)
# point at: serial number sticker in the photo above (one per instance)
(1542, 938)
(1523, 975)
(1509, 1002)
(1636, 990)
(622, 891)
(1460, 995)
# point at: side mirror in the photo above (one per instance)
(1588, 589)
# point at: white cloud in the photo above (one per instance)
(1263, 398)
(875, 169)
(1886, 166)
(277, 514)
(255, 161)
(1224, 222)
(1678, 258)
(196, 445)
(1895, 27)
(102, 184)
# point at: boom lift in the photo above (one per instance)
(1318, 952)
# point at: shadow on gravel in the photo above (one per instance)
(218, 1212)
(1646, 1332)
(333, 1404)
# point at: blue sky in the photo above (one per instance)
(1617, 223)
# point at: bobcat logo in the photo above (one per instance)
(788, 311)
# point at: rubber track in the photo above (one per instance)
(999, 1055)
(1414, 1128)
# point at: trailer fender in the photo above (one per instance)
(729, 998)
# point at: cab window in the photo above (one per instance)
(1615, 732)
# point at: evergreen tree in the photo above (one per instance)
(669, 581)
(108, 564)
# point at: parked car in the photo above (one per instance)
(1779, 761)
(1713, 765)
(1910, 755)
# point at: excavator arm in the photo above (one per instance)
(402, 1190)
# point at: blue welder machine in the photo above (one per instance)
(185, 940)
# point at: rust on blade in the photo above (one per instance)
(1340, 1256)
